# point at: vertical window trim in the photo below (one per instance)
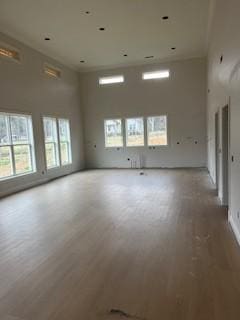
(122, 133)
(126, 133)
(167, 127)
(11, 144)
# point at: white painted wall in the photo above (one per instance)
(24, 88)
(224, 84)
(182, 98)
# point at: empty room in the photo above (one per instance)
(119, 160)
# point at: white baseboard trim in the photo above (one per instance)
(235, 229)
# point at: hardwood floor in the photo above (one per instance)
(152, 247)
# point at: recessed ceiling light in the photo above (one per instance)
(165, 17)
(102, 29)
(47, 39)
(149, 57)
(82, 61)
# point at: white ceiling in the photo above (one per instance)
(133, 27)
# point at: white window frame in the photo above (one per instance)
(156, 75)
(57, 143)
(11, 144)
(157, 145)
(12, 53)
(122, 133)
(54, 142)
(69, 144)
(51, 71)
(126, 132)
(111, 80)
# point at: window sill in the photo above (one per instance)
(59, 167)
(17, 176)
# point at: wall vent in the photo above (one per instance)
(52, 71)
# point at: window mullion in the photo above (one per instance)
(58, 143)
(13, 159)
(30, 154)
(68, 147)
(11, 146)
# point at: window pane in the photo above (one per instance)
(157, 131)
(50, 129)
(5, 162)
(65, 152)
(51, 142)
(135, 132)
(4, 137)
(51, 155)
(22, 157)
(113, 133)
(19, 129)
(65, 141)
(64, 130)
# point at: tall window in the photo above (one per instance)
(16, 145)
(57, 142)
(65, 141)
(113, 133)
(51, 142)
(157, 131)
(134, 132)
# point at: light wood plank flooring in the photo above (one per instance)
(152, 247)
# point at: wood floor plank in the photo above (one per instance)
(153, 246)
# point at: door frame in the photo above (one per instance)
(217, 150)
(225, 135)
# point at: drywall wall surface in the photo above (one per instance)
(182, 98)
(25, 88)
(223, 86)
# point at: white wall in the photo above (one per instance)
(24, 88)
(224, 84)
(182, 98)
